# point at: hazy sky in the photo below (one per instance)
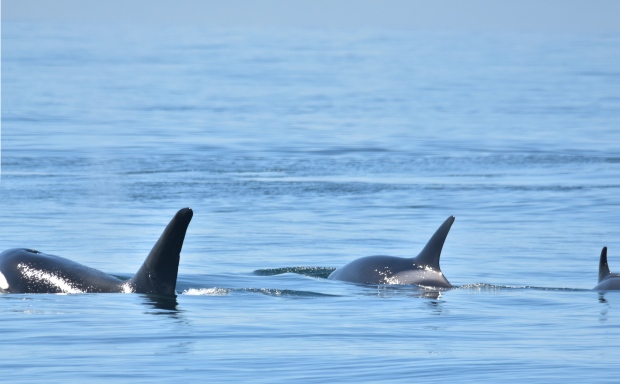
(579, 16)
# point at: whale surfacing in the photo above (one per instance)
(421, 270)
(28, 271)
(607, 281)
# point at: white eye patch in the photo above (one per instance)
(3, 283)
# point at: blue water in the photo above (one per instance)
(298, 152)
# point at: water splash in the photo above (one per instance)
(48, 278)
(206, 292)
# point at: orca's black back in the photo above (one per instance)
(30, 271)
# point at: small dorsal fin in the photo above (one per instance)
(158, 273)
(603, 267)
(432, 251)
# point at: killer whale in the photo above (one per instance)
(420, 270)
(607, 281)
(28, 271)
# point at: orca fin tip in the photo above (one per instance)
(603, 267)
(185, 213)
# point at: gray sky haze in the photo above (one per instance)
(555, 16)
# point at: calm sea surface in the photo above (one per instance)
(298, 152)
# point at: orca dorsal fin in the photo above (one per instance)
(158, 273)
(603, 267)
(432, 251)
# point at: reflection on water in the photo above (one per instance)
(436, 306)
(168, 303)
(604, 312)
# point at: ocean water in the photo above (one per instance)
(300, 151)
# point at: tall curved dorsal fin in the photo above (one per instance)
(603, 267)
(158, 273)
(432, 251)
